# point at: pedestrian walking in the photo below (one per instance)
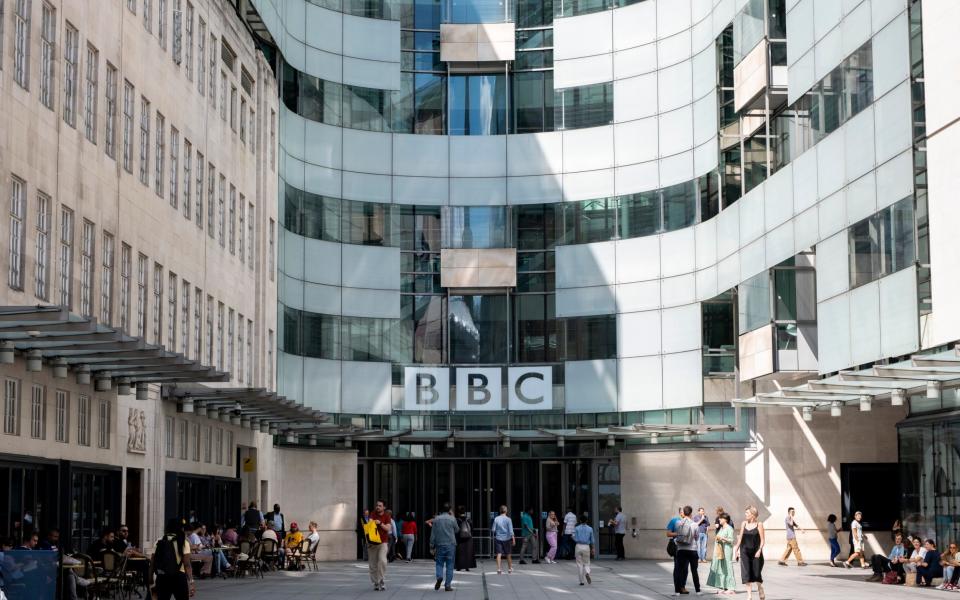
(409, 532)
(465, 559)
(443, 541)
(833, 539)
(685, 537)
(361, 535)
(791, 527)
(750, 547)
(619, 524)
(703, 524)
(552, 527)
(856, 538)
(392, 538)
(503, 540)
(171, 565)
(530, 534)
(583, 548)
(721, 568)
(566, 538)
(377, 530)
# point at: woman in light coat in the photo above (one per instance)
(721, 568)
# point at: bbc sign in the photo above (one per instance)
(477, 389)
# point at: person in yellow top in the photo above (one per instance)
(293, 539)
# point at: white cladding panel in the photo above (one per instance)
(590, 386)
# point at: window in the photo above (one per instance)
(169, 425)
(197, 324)
(70, 59)
(271, 250)
(132, 6)
(273, 138)
(177, 33)
(144, 141)
(11, 406)
(209, 351)
(230, 339)
(185, 318)
(250, 240)
(172, 296)
(43, 247)
(198, 207)
(233, 108)
(103, 429)
(591, 338)
(223, 96)
(174, 166)
(106, 280)
(66, 257)
(242, 228)
(157, 303)
(201, 55)
(478, 104)
(86, 268)
(62, 417)
(125, 272)
(883, 243)
(212, 90)
(142, 296)
(221, 216)
(207, 443)
(38, 412)
(218, 444)
(162, 23)
(243, 123)
(250, 131)
(220, 316)
(21, 43)
(228, 56)
(233, 219)
(184, 436)
(127, 157)
(249, 352)
(90, 99)
(110, 139)
(159, 156)
(147, 15)
(583, 106)
(241, 349)
(187, 177)
(83, 420)
(18, 190)
(230, 449)
(211, 195)
(270, 359)
(48, 43)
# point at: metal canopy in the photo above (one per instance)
(254, 403)
(923, 373)
(82, 343)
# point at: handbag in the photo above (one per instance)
(890, 578)
(371, 532)
(672, 548)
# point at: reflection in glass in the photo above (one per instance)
(475, 227)
(679, 206)
(477, 11)
(584, 106)
(478, 104)
(639, 214)
(533, 101)
(478, 329)
(754, 302)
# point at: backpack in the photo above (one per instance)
(671, 548)
(685, 532)
(466, 532)
(167, 559)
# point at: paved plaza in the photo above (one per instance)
(641, 580)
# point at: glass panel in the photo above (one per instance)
(477, 11)
(785, 291)
(475, 227)
(478, 329)
(584, 106)
(639, 214)
(478, 104)
(679, 206)
(591, 338)
(754, 302)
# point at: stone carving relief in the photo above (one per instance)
(137, 431)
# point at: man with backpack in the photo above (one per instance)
(685, 535)
(170, 564)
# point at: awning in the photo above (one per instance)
(927, 374)
(257, 408)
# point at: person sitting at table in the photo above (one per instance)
(52, 541)
(230, 535)
(293, 539)
(30, 542)
(197, 550)
(267, 532)
(314, 536)
(100, 545)
(122, 545)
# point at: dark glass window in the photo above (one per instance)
(319, 335)
(476, 227)
(535, 328)
(709, 196)
(534, 13)
(584, 106)
(478, 329)
(368, 223)
(533, 97)
(679, 205)
(366, 108)
(883, 243)
(591, 338)
(588, 221)
(535, 226)
(477, 11)
(639, 214)
(718, 324)
(478, 104)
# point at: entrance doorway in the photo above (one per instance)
(482, 486)
(134, 504)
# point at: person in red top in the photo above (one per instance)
(409, 531)
(377, 552)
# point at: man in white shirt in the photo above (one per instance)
(566, 540)
(196, 546)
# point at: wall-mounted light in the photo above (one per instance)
(143, 391)
(933, 390)
(264, 426)
(225, 415)
(291, 437)
(807, 412)
(654, 438)
(688, 436)
(60, 368)
(348, 442)
(186, 405)
(34, 361)
(123, 386)
(611, 441)
(866, 403)
(237, 406)
(898, 397)
(561, 442)
(83, 375)
(245, 422)
(836, 409)
(255, 424)
(312, 440)
(274, 430)
(201, 409)
(451, 442)
(235, 419)
(102, 383)
(506, 441)
(6, 353)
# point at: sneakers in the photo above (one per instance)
(802, 564)
(523, 562)
(847, 565)
(436, 586)
(781, 563)
(448, 589)
(588, 578)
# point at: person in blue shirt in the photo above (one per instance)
(503, 539)
(583, 550)
(529, 534)
(893, 562)
(672, 525)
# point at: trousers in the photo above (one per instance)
(582, 554)
(792, 546)
(377, 562)
(173, 586)
(534, 544)
(552, 542)
(618, 540)
(408, 540)
(444, 562)
(685, 560)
